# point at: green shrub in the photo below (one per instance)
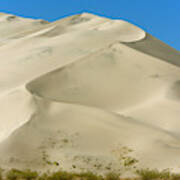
(15, 174)
(60, 175)
(89, 176)
(144, 174)
(112, 176)
(129, 161)
(175, 177)
(147, 174)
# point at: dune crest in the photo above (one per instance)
(87, 92)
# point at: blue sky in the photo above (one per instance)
(161, 18)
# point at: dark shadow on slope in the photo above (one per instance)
(154, 47)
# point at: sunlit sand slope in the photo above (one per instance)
(87, 93)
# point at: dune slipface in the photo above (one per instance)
(87, 93)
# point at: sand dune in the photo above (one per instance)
(87, 93)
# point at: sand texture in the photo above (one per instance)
(87, 93)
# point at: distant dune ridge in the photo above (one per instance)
(87, 93)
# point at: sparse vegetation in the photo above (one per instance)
(1, 174)
(89, 176)
(15, 174)
(60, 175)
(147, 174)
(129, 161)
(11, 18)
(112, 176)
(144, 174)
(74, 166)
(65, 140)
(45, 158)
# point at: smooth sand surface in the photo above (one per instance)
(88, 93)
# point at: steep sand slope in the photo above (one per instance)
(88, 93)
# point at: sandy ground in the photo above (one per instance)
(87, 93)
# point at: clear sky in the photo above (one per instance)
(161, 18)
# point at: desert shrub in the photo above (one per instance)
(175, 177)
(112, 176)
(1, 175)
(129, 161)
(144, 174)
(147, 174)
(11, 18)
(89, 176)
(60, 175)
(15, 174)
(43, 176)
